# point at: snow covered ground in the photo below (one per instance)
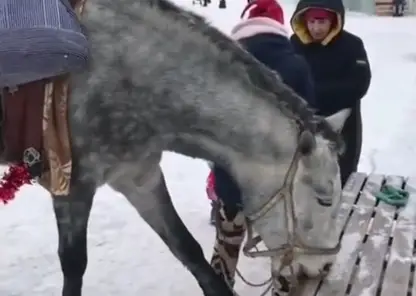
(126, 258)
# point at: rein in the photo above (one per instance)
(295, 245)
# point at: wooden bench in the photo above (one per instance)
(378, 251)
(386, 7)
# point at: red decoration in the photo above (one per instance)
(16, 177)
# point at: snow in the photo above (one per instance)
(127, 258)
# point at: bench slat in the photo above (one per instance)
(336, 283)
(351, 190)
(397, 274)
(368, 273)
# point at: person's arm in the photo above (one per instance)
(345, 93)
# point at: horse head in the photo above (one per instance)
(300, 216)
(318, 175)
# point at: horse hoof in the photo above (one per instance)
(219, 291)
(220, 288)
(72, 287)
(222, 292)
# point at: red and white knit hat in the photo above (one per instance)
(264, 8)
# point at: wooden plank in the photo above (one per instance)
(350, 193)
(397, 273)
(384, 8)
(367, 276)
(336, 283)
(353, 187)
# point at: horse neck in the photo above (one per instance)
(244, 134)
(201, 100)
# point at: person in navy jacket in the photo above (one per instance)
(262, 33)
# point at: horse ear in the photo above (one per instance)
(307, 143)
(337, 120)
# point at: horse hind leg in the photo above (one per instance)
(150, 197)
(72, 214)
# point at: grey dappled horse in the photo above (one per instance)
(161, 78)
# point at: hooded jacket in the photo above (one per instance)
(340, 71)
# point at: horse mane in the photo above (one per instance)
(259, 75)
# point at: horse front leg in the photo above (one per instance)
(150, 197)
(72, 213)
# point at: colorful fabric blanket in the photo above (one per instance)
(35, 114)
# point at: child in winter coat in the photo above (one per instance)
(263, 34)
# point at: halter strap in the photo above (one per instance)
(295, 244)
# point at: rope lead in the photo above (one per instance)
(393, 196)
